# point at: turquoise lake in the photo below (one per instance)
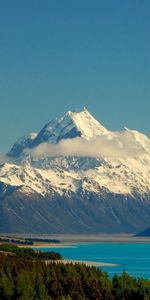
(133, 258)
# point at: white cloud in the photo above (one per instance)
(121, 145)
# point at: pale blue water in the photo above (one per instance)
(133, 258)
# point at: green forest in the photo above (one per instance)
(29, 253)
(28, 277)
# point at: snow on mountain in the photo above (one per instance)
(37, 180)
(139, 138)
(71, 125)
(63, 174)
(24, 142)
(116, 161)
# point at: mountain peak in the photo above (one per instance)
(77, 111)
(76, 123)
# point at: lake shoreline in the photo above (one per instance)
(85, 262)
(70, 240)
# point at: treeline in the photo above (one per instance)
(29, 253)
(50, 241)
(26, 279)
(29, 241)
(16, 241)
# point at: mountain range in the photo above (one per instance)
(76, 176)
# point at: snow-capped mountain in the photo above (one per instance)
(76, 176)
(71, 125)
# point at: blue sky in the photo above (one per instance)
(60, 55)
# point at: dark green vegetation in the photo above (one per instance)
(29, 253)
(25, 278)
(7, 239)
(44, 240)
(24, 241)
